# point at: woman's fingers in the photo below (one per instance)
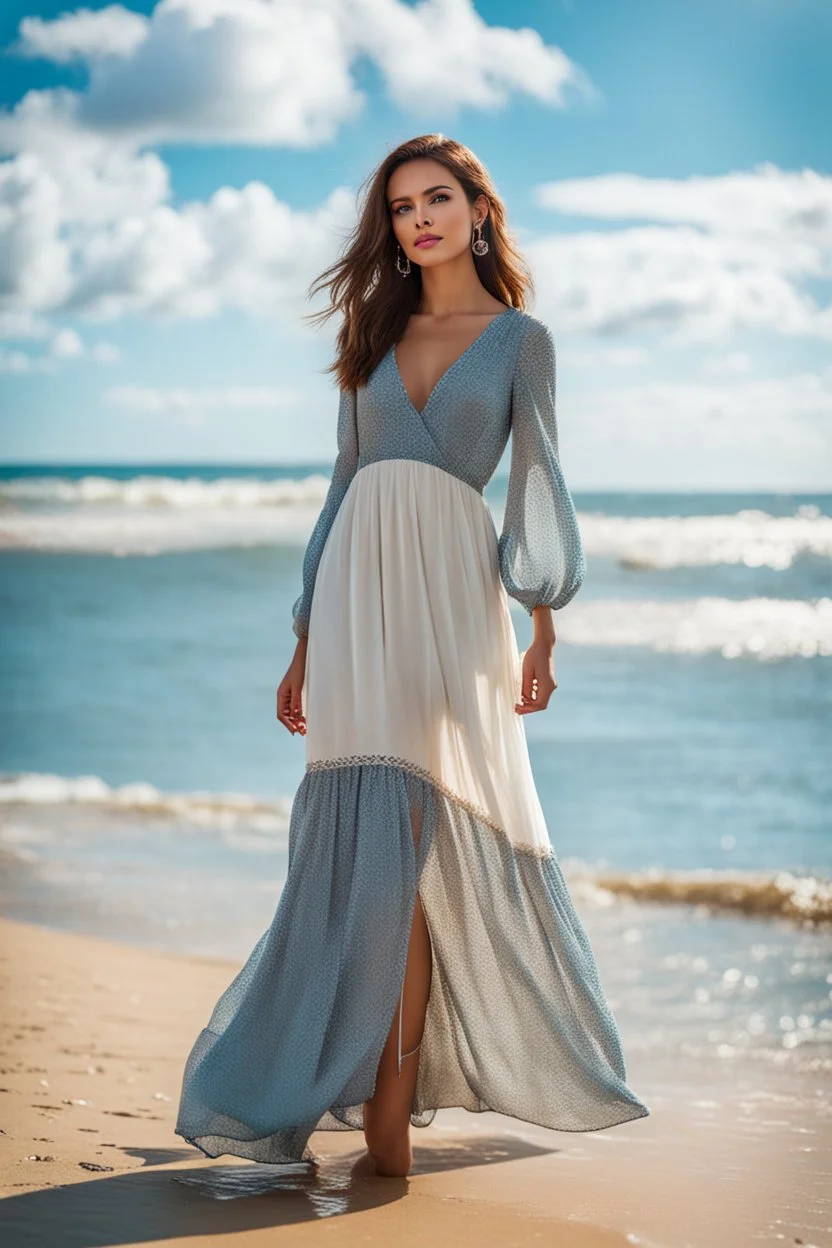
(290, 709)
(537, 687)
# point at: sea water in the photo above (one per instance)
(683, 763)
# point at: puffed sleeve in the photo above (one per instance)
(540, 550)
(343, 472)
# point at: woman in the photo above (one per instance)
(425, 951)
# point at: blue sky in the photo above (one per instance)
(173, 176)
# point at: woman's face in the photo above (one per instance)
(424, 197)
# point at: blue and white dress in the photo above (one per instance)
(412, 674)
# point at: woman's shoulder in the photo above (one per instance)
(532, 326)
(535, 340)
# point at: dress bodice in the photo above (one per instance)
(502, 384)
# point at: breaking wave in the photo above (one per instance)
(202, 808)
(772, 894)
(782, 894)
(756, 628)
(750, 537)
(149, 514)
(169, 492)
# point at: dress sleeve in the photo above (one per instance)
(342, 474)
(540, 550)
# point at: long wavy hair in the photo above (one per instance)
(364, 283)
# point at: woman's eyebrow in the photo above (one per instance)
(427, 191)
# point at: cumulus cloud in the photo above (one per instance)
(66, 344)
(88, 225)
(34, 259)
(85, 34)
(152, 399)
(724, 254)
(20, 323)
(779, 428)
(282, 71)
(86, 222)
(22, 363)
(192, 405)
(716, 255)
(756, 204)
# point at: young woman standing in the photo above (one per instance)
(425, 951)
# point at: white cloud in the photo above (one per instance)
(761, 432)
(280, 71)
(18, 324)
(105, 353)
(243, 249)
(184, 401)
(66, 345)
(34, 260)
(87, 225)
(99, 178)
(84, 34)
(732, 362)
(21, 363)
(606, 357)
(730, 254)
(766, 202)
(443, 54)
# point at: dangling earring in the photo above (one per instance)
(404, 272)
(479, 246)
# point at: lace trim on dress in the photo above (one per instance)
(478, 812)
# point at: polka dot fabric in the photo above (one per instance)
(517, 1020)
(541, 555)
(410, 689)
(502, 385)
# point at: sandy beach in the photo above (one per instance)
(94, 1037)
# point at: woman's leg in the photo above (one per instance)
(387, 1113)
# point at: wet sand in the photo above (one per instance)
(94, 1037)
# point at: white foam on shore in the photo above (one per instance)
(148, 514)
(201, 808)
(761, 893)
(166, 492)
(749, 537)
(746, 628)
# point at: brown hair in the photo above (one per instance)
(364, 283)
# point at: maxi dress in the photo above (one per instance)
(412, 674)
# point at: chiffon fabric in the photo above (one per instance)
(412, 675)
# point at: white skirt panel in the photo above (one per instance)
(412, 656)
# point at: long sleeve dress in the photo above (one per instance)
(412, 674)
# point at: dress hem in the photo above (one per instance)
(638, 1112)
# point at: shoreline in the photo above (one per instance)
(94, 1038)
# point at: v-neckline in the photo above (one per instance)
(448, 370)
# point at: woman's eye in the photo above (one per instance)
(440, 195)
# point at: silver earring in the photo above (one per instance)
(479, 246)
(404, 272)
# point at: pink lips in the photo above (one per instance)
(428, 242)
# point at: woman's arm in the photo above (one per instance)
(342, 474)
(542, 561)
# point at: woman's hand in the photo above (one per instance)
(538, 683)
(289, 703)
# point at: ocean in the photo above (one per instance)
(683, 762)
